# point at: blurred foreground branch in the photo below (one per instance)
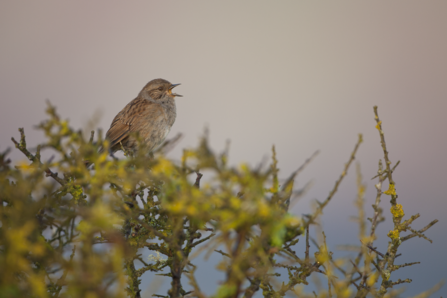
(98, 231)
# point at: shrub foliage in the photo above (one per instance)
(67, 230)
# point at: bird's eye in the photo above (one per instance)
(160, 88)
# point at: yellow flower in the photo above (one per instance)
(394, 234)
(397, 211)
(372, 279)
(378, 125)
(64, 128)
(391, 190)
(163, 166)
(26, 167)
(235, 202)
(191, 210)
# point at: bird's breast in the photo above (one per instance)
(170, 112)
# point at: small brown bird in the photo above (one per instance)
(151, 114)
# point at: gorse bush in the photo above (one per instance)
(67, 230)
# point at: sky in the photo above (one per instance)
(300, 75)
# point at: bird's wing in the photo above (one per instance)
(138, 115)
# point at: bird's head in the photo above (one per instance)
(158, 89)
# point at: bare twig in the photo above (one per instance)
(197, 183)
(404, 265)
(420, 231)
(222, 253)
(377, 211)
(61, 280)
(377, 252)
(307, 244)
(385, 151)
(399, 281)
(22, 147)
(340, 179)
(193, 282)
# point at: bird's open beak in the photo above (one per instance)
(172, 87)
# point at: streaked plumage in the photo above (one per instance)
(151, 114)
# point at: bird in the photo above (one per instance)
(150, 115)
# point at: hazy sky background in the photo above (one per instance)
(303, 75)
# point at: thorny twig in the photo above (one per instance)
(35, 158)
